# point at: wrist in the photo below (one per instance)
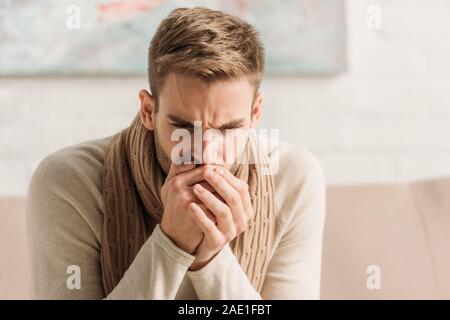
(197, 265)
(176, 242)
(201, 260)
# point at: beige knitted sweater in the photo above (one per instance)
(64, 221)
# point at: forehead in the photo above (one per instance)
(191, 96)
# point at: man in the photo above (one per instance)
(121, 218)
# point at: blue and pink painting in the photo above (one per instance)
(38, 37)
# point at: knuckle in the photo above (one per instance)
(210, 228)
(177, 183)
(242, 226)
(242, 186)
(206, 168)
(220, 241)
(232, 234)
(224, 212)
(234, 199)
(185, 198)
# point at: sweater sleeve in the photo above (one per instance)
(295, 267)
(65, 249)
(223, 279)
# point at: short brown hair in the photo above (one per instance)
(205, 43)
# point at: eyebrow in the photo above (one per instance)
(187, 123)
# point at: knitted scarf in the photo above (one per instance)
(135, 170)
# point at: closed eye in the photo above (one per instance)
(190, 126)
(231, 127)
(182, 126)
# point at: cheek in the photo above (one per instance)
(181, 144)
(164, 132)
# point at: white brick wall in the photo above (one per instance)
(386, 119)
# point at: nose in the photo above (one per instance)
(211, 151)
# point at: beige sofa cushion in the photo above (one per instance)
(14, 265)
(433, 201)
(400, 228)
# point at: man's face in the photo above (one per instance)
(219, 109)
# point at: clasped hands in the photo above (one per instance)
(204, 209)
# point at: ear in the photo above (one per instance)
(256, 109)
(147, 111)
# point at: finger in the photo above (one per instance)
(193, 176)
(241, 186)
(210, 188)
(208, 213)
(231, 196)
(218, 208)
(205, 224)
(191, 197)
(176, 169)
(207, 186)
(235, 182)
